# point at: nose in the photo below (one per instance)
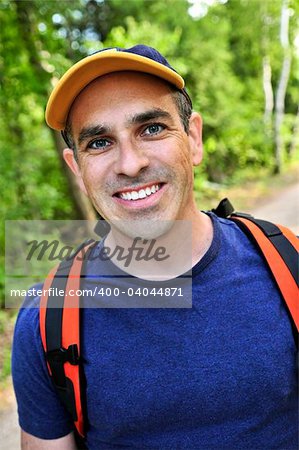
(131, 159)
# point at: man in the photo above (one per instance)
(221, 374)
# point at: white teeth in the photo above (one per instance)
(143, 193)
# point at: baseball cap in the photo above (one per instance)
(139, 58)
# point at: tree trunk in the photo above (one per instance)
(267, 74)
(24, 11)
(26, 27)
(282, 85)
(295, 136)
(269, 96)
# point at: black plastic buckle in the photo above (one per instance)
(102, 228)
(224, 209)
(62, 355)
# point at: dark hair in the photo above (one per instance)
(183, 105)
(67, 135)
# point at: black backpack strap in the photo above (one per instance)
(278, 239)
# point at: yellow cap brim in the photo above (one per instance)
(92, 67)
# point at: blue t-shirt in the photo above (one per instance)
(221, 375)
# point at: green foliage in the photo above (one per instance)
(7, 320)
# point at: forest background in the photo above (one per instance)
(240, 60)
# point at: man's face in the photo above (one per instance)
(135, 161)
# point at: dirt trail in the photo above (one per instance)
(9, 429)
(283, 209)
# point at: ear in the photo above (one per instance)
(195, 138)
(68, 156)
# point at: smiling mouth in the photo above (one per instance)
(139, 194)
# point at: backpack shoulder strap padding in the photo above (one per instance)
(280, 252)
(60, 333)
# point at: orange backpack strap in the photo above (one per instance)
(279, 247)
(60, 332)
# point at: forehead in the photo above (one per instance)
(110, 95)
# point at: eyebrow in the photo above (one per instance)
(91, 131)
(139, 118)
(155, 113)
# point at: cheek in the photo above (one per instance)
(91, 173)
(175, 152)
(182, 161)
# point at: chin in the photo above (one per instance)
(143, 228)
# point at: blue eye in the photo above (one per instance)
(99, 144)
(153, 129)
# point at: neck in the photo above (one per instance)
(166, 256)
(202, 236)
